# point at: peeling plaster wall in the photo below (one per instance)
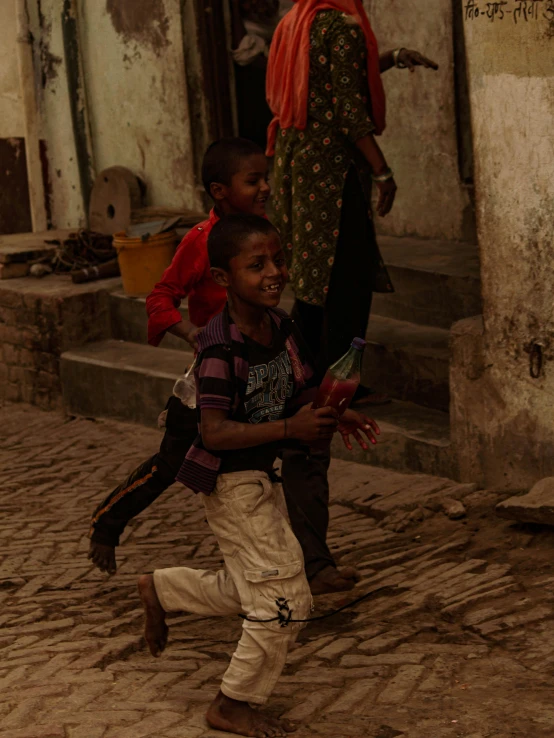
(66, 201)
(15, 213)
(136, 88)
(503, 418)
(420, 142)
(137, 94)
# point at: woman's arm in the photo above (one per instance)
(386, 61)
(379, 167)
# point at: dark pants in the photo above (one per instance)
(307, 495)
(147, 482)
(329, 330)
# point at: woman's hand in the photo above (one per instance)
(387, 193)
(351, 423)
(412, 59)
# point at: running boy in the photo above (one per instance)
(235, 174)
(252, 381)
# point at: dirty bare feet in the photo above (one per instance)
(330, 580)
(233, 716)
(155, 629)
(103, 556)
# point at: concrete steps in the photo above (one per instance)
(129, 320)
(413, 438)
(407, 361)
(127, 381)
(436, 282)
(120, 380)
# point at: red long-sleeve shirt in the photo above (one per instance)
(188, 274)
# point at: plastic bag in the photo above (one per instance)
(185, 387)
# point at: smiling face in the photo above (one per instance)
(257, 275)
(248, 190)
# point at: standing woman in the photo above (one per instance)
(325, 91)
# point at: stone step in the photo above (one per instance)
(436, 282)
(121, 380)
(408, 361)
(127, 381)
(412, 439)
(129, 320)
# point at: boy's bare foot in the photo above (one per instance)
(238, 717)
(330, 580)
(155, 629)
(103, 556)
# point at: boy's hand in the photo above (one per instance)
(191, 337)
(187, 331)
(313, 426)
(351, 423)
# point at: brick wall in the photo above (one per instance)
(39, 319)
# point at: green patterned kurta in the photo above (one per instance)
(311, 165)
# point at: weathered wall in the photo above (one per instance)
(134, 72)
(39, 319)
(137, 94)
(420, 142)
(11, 120)
(503, 418)
(14, 202)
(66, 203)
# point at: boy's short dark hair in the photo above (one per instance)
(228, 234)
(223, 159)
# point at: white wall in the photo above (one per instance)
(135, 80)
(420, 142)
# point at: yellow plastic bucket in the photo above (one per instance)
(142, 263)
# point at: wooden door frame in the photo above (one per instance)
(209, 73)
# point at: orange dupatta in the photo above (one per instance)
(288, 66)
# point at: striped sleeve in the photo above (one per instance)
(215, 383)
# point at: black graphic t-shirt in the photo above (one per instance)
(270, 385)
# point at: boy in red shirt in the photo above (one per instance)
(235, 174)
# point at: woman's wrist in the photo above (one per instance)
(383, 176)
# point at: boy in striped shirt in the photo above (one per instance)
(254, 381)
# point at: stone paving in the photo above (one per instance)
(456, 641)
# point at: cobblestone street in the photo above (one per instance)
(459, 644)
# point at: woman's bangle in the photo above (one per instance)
(395, 56)
(389, 174)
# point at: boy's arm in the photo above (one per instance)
(220, 433)
(184, 272)
(216, 393)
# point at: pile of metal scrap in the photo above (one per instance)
(116, 205)
(85, 255)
